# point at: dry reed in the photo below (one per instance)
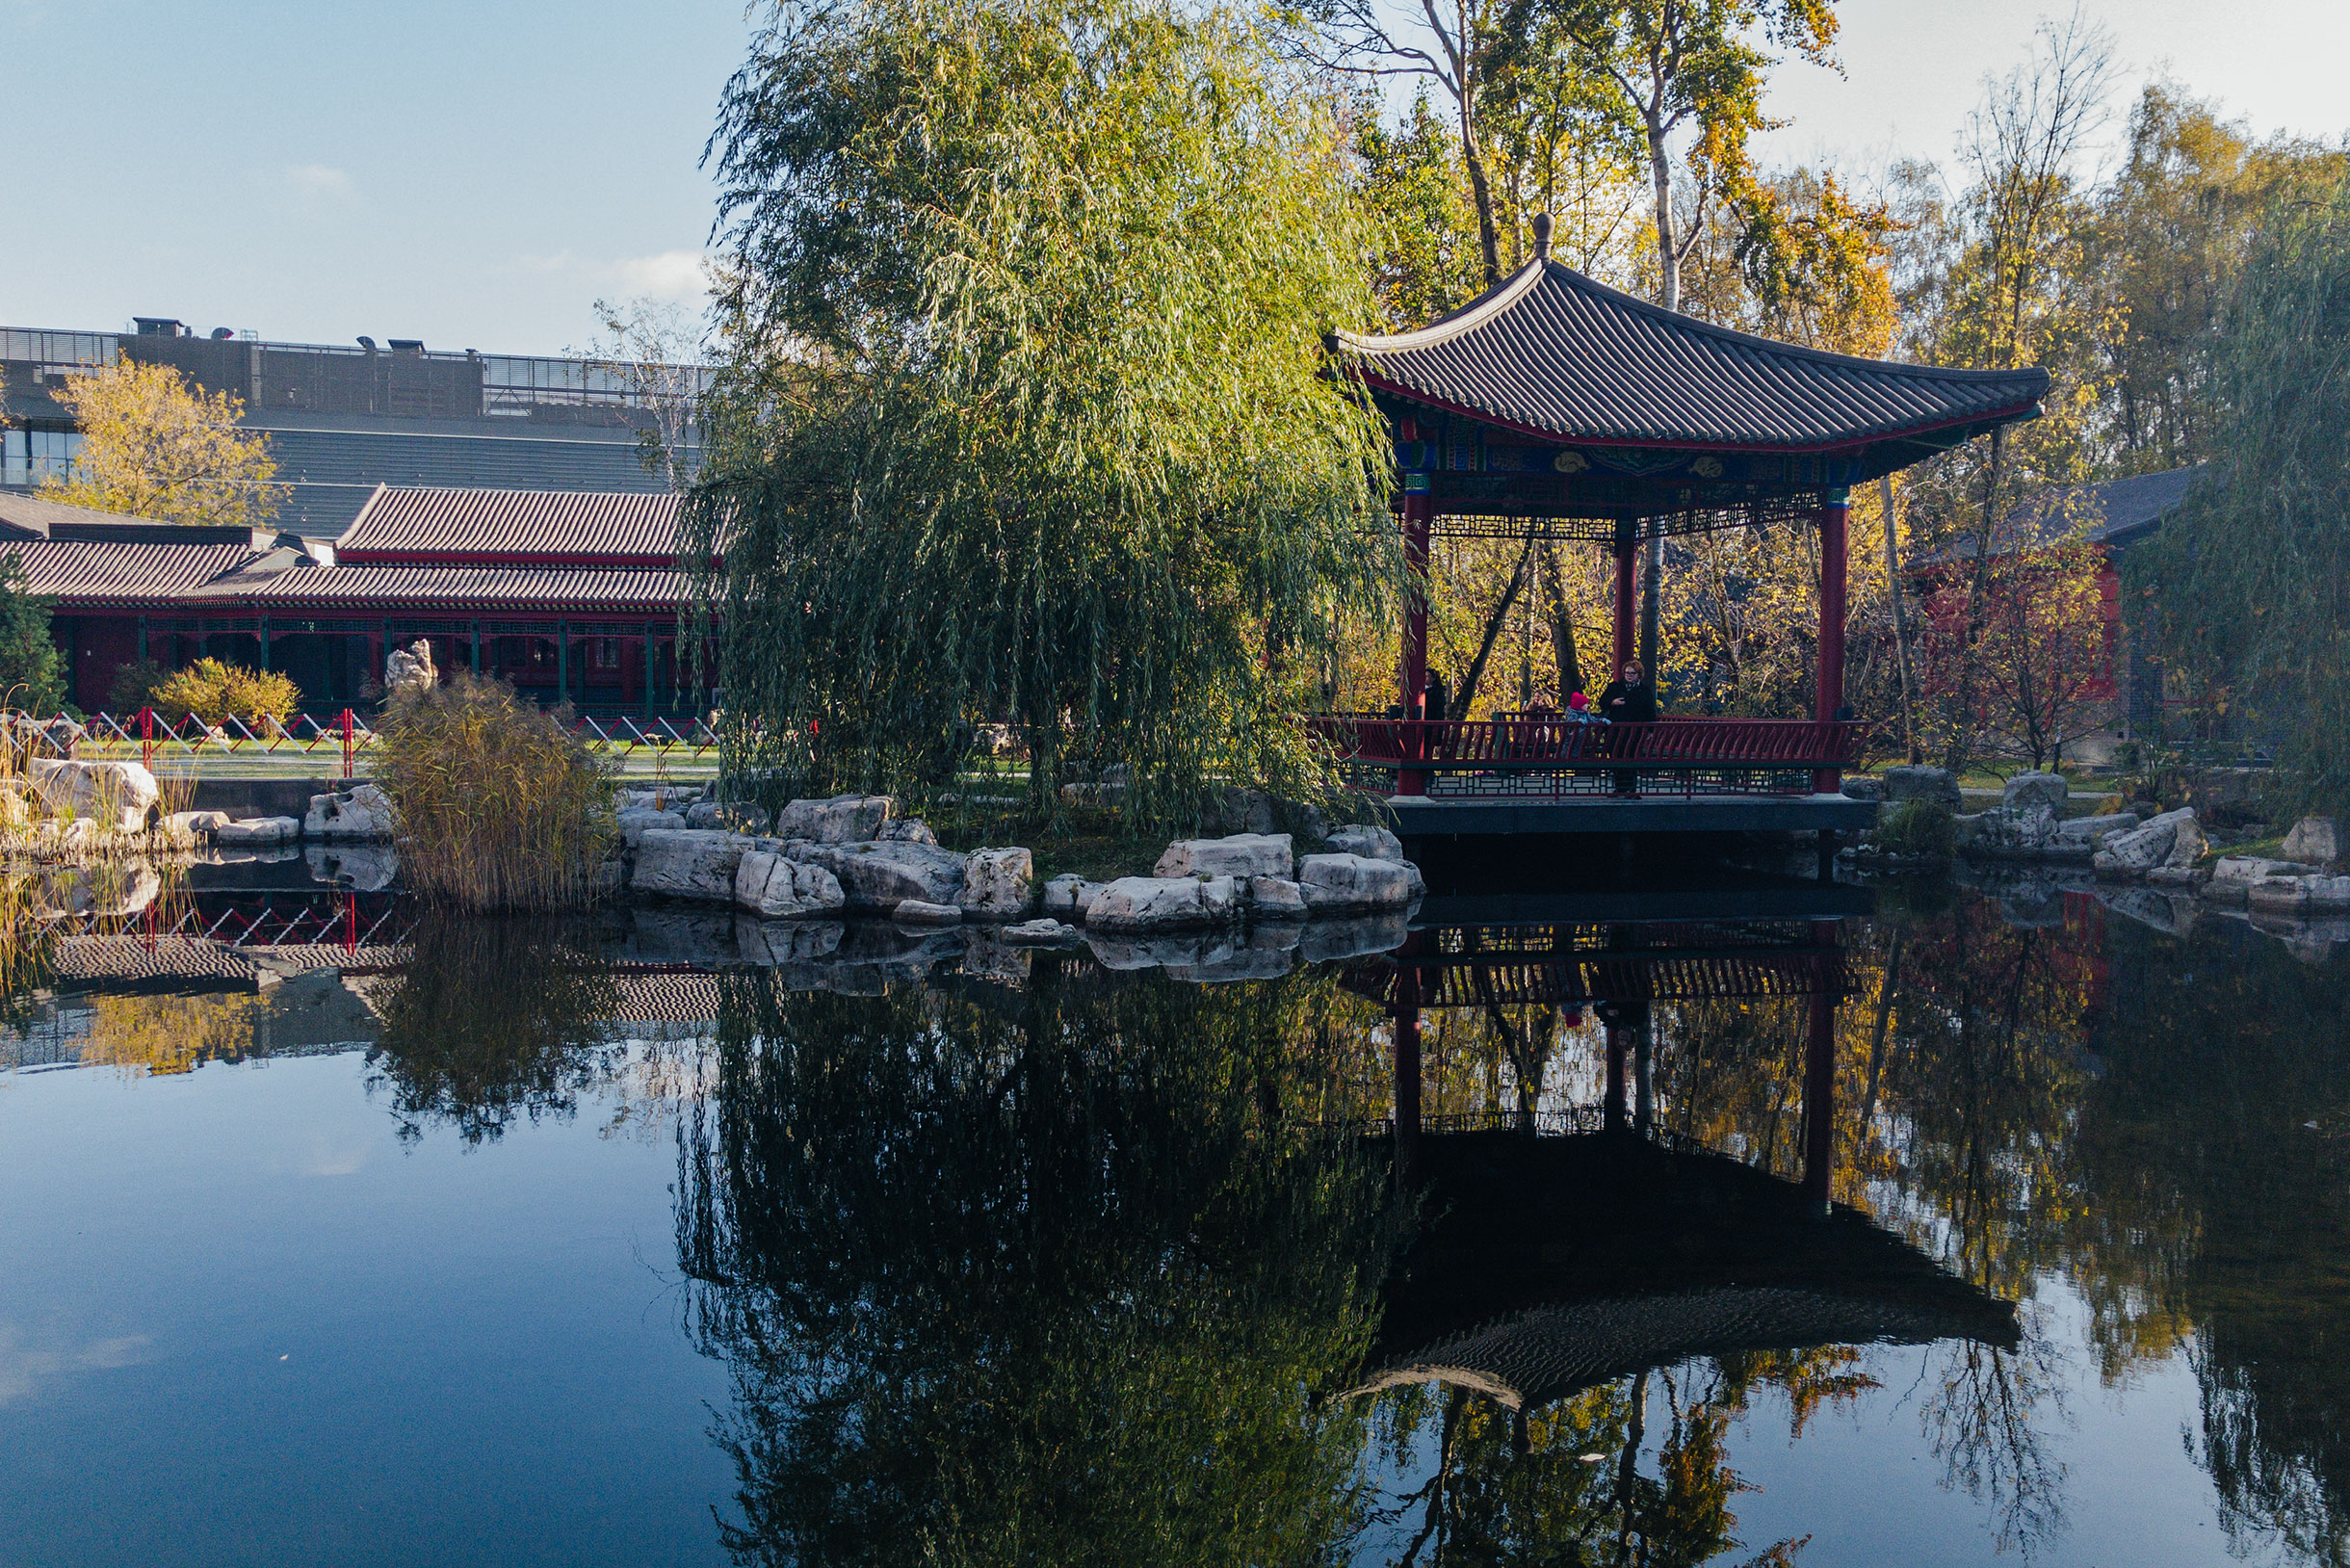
(498, 807)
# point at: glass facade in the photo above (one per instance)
(29, 457)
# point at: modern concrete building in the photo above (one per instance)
(342, 421)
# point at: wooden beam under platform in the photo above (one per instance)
(1422, 816)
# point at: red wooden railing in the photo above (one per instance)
(1551, 756)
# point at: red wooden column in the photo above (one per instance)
(1627, 599)
(1831, 681)
(1418, 522)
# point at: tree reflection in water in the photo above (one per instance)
(1065, 1274)
(494, 1019)
(1085, 1270)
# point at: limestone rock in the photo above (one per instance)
(203, 824)
(733, 816)
(2007, 832)
(1240, 855)
(411, 665)
(2189, 844)
(774, 887)
(1066, 895)
(362, 867)
(638, 821)
(842, 819)
(998, 884)
(2329, 894)
(1276, 898)
(2280, 895)
(249, 831)
(696, 863)
(2090, 830)
(1348, 883)
(878, 878)
(364, 812)
(2142, 849)
(1864, 788)
(922, 913)
(1919, 783)
(2186, 876)
(905, 830)
(1043, 933)
(1371, 842)
(119, 796)
(2047, 790)
(1163, 903)
(2317, 839)
(2236, 874)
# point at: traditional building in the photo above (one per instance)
(570, 595)
(1556, 407)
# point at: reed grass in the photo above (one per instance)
(499, 808)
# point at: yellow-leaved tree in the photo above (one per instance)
(153, 446)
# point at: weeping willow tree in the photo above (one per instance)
(2252, 577)
(1024, 415)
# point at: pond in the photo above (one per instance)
(1775, 1223)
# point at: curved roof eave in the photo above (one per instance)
(1588, 353)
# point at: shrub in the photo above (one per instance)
(1920, 828)
(135, 686)
(215, 692)
(498, 807)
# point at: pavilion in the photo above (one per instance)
(1553, 407)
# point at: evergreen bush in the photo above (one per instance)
(1917, 829)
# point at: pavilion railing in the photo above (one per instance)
(1549, 757)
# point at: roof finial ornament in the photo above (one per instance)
(1542, 236)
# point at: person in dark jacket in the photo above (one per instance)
(1436, 697)
(1627, 700)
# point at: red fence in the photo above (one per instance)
(343, 733)
(1552, 756)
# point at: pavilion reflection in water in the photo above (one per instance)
(1564, 1250)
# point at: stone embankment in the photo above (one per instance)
(70, 810)
(854, 855)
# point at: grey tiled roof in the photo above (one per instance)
(95, 571)
(479, 590)
(1554, 354)
(515, 523)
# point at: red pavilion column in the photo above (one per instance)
(1418, 522)
(1830, 685)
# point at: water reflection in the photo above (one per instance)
(1067, 1272)
(492, 1020)
(1494, 1239)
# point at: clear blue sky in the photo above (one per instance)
(474, 172)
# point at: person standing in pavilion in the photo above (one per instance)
(1628, 699)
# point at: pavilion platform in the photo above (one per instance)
(1424, 817)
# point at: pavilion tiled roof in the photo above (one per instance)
(1558, 357)
(107, 571)
(476, 589)
(399, 520)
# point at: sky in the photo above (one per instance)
(476, 172)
